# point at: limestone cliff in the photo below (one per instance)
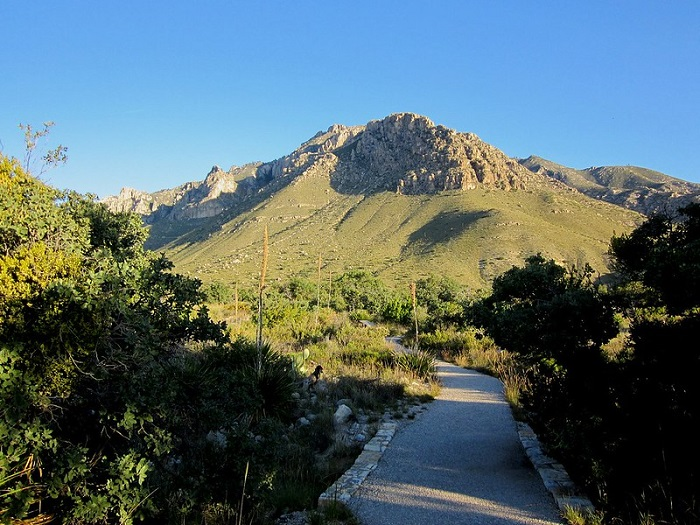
(193, 200)
(409, 154)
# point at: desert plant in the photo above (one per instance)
(575, 516)
(275, 380)
(420, 364)
(261, 287)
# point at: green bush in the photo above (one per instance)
(622, 421)
(218, 292)
(355, 354)
(120, 399)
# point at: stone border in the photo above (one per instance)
(555, 478)
(343, 489)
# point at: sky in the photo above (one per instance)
(152, 94)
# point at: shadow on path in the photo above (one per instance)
(460, 462)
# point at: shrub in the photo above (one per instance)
(420, 364)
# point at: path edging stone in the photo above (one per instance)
(553, 474)
(343, 489)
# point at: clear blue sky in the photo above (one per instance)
(151, 94)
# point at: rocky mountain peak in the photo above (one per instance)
(131, 200)
(217, 182)
(214, 171)
(396, 121)
(408, 153)
(403, 152)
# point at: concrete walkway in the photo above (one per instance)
(460, 462)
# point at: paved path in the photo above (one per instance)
(460, 462)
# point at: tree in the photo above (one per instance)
(360, 290)
(85, 312)
(29, 213)
(32, 138)
(545, 312)
(658, 267)
(663, 254)
(444, 300)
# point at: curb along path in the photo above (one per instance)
(554, 476)
(462, 461)
(343, 489)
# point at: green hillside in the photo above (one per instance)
(470, 236)
(400, 197)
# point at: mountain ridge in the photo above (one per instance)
(633, 187)
(400, 196)
(429, 165)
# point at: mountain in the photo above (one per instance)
(193, 200)
(639, 189)
(400, 196)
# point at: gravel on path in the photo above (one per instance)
(460, 462)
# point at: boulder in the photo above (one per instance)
(342, 415)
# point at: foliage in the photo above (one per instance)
(118, 394)
(120, 234)
(444, 300)
(300, 291)
(658, 390)
(29, 213)
(359, 290)
(32, 139)
(663, 255)
(397, 308)
(74, 333)
(547, 313)
(420, 364)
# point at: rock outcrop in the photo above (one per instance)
(409, 154)
(193, 200)
(132, 200)
(149, 205)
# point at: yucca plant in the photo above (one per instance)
(275, 379)
(420, 364)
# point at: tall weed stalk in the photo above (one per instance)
(261, 290)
